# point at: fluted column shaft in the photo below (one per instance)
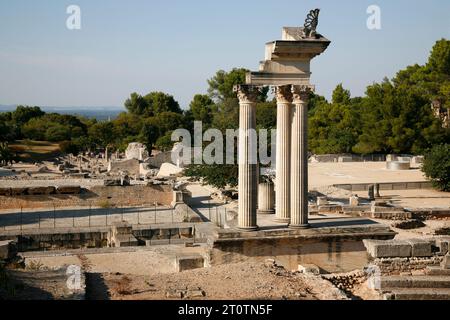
(299, 158)
(248, 165)
(266, 198)
(283, 154)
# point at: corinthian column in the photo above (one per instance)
(299, 158)
(248, 164)
(283, 155)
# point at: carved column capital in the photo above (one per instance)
(283, 94)
(246, 93)
(301, 93)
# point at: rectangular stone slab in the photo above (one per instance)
(388, 248)
(420, 248)
(189, 263)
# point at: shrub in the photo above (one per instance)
(436, 166)
(69, 147)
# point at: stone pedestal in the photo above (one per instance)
(248, 165)
(322, 201)
(299, 158)
(354, 201)
(283, 154)
(266, 198)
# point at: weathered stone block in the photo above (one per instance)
(7, 249)
(354, 201)
(174, 294)
(195, 294)
(443, 245)
(322, 201)
(185, 232)
(377, 208)
(125, 240)
(309, 269)
(189, 263)
(388, 248)
(420, 248)
(122, 227)
(446, 262)
(330, 208)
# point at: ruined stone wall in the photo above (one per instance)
(157, 160)
(330, 256)
(130, 166)
(95, 196)
(396, 266)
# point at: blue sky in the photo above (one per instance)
(176, 45)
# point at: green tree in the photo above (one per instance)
(57, 132)
(152, 104)
(340, 95)
(149, 134)
(165, 142)
(35, 129)
(219, 176)
(437, 166)
(439, 60)
(334, 127)
(23, 114)
(202, 109)
(266, 115)
(127, 125)
(102, 134)
(69, 147)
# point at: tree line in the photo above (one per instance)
(394, 116)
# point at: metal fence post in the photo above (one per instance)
(155, 212)
(90, 215)
(138, 212)
(21, 218)
(54, 216)
(171, 209)
(39, 220)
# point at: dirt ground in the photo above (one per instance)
(234, 281)
(148, 261)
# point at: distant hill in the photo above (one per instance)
(100, 113)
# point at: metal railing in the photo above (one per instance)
(86, 217)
